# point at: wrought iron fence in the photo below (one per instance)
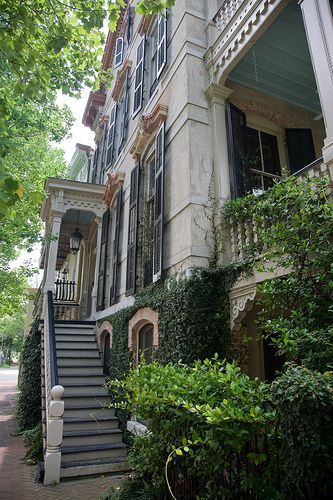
(65, 291)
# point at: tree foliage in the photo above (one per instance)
(11, 335)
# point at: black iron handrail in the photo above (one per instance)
(52, 341)
(65, 290)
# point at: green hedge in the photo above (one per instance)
(29, 412)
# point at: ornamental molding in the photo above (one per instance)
(217, 93)
(96, 100)
(145, 23)
(264, 111)
(241, 301)
(239, 30)
(141, 318)
(112, 186)
(121, 76)
(148, 127)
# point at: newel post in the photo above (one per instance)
(52, 458)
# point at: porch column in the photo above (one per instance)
(52, 254)
(98, 221)
(217, 95)
(318, 22)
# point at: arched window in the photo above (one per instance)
(145, 343)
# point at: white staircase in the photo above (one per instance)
(92, 442)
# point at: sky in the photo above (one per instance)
(79, 133)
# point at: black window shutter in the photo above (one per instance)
(102, 260)
(132, 231)
(240, 171)
(139, 77)
(159, 205)
(116, 251)
(300, 148)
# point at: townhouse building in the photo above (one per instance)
(196, 90)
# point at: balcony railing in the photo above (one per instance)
(226, 12)
(243, 233)
(65, 291)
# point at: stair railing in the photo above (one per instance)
(53, 398)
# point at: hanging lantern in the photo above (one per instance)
(75, 241)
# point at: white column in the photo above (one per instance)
(52, 254)
(318, 22)
(98, 220)
(217, 95)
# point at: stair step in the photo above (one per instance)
(79, 399)
(90, 423)
(76, 324)
(93, 452)
(79, 370)
(75, 337)
(92, 409)
(77, 362)
(77, 345)
(81, 380)
(81, 389)
(92, 437)
(76, 353)
(93, 467)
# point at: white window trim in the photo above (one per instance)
(119, 51)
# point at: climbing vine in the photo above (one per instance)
(29, 412)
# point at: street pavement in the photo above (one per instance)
(16, 478)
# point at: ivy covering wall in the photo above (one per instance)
(29, 412)
(193, 318)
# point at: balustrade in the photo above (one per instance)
(65, 290)
(243, 233)
(226, 12)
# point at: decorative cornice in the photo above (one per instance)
(217, 93)
(95, 101)
(241, 301)
(148, 127)
(121, 76)
(145, 23)
(112, 186)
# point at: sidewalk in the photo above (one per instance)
(17, 479)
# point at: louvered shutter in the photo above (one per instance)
(139, 77)
(103, 153)
(111, 135)
(161, 43)
(158, 205)
(124, 121)
(132, 231)
(118, 59)
(300, 148)
(116, 250)
(102, 260)
(240, 170)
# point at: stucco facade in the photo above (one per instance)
(166, 128)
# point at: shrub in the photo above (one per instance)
(33, 439)
(209, 419)
(303, 401)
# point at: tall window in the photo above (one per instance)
(145, 343)
(158, 50)
(139, 77)
(263, 158)
(146, 204)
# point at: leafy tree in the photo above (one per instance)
(11, 335)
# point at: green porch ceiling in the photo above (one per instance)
(279, 63)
